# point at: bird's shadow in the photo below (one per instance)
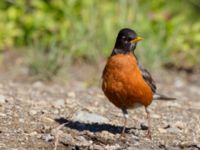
(92, 127)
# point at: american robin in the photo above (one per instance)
(126, 82)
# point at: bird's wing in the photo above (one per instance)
(149, 80)
(147, 77)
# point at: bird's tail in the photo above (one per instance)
(157, 96)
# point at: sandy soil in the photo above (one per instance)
(31, 114)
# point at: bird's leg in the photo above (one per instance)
(149, 123)
(125, 113)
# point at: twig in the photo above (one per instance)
(57, 135)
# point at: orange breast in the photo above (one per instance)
(123, 83)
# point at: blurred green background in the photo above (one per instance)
(51, 32)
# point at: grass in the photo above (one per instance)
(59, 30)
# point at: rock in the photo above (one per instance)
(112, 147)
(2, 115)
(32, 112)
(98, 147)
(173, 130)
(56, 132)
(179, 83)
(37, 84)
(179, 125)
(71, 95)
(134, 137)
(21, 120)
(48, 137)
(161, 130)
(84, 116)
(144, 126)
(81, 141)
(107, 135)
(59, 103)
(2, 99)
(33, 133)
(155, 116)
(47, 120)
(195, 89)
(67, 139)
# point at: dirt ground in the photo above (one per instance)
(31, 114)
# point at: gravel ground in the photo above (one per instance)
(32, 114)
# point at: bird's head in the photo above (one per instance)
(126, 41)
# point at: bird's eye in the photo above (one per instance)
(123, 37)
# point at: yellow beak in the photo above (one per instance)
(136, 39)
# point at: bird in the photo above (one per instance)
(125, 81)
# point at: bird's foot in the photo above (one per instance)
(148, 135)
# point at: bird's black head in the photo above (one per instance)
(126, 41)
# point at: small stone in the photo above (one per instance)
(161, 130)
(2, 99)
(47, 120)
(2, 115)
(59, 103)
(88, 117)
(33, 133)
(39, 136)
(195, 89)
(155, 116)
(56, 132)
(98, 147)
(144, 126)
(134, 137)
(67, 139)
(179, 83)
(113, 147)
(32, 112)
(173, 130)
(21, 120)
(37, 84)
(48, 137)
(71, 95)
(82, 141)
(107, 135)
(136, 144)
(179, 125)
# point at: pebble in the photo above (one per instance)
(59, 103)
(112, 147)
(179, 83)
(37, 84)
(71, 94)
(56, 132)
(81, 141)
(173, 130)
(179, 125)
(33, 133)
(195, 89)
(107, 135)
(144, 126)
(32, 112)
(47, 137)
(84, 116)
(2, 99)
(67, 139)
(161, 130)
(2, 115)
(21, 120)
(155, 116)
(98, 147)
